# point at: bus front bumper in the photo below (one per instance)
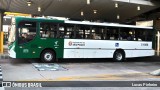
(12, 53)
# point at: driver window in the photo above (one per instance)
(27, 31)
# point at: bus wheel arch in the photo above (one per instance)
(48, 55)
(119, 55)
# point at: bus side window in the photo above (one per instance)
(95, 36)
(60, 31)
(71, 35)
(47, 30)
(78, 35)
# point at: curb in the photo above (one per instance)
(4, 56)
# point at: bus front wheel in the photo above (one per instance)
(48, 56)
(119, 56)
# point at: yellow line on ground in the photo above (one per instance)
(104, 77)
(97, 77)
(100, 77)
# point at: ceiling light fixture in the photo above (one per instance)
(116, 5)
(138, 8)
(29, 2)
(82, 14)
(94, 11)
(118, 17)
(88, 2)
(39, 9)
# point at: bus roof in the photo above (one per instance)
(107, 24)
(39, 19)
(87, 23)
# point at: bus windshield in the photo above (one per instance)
(11, 38)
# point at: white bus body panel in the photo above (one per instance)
(77, 48)
(139, 53)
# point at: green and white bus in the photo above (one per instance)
(51, 39)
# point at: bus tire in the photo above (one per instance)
(119, 55)
(48, 56)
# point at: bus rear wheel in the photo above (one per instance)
(119, 56)
(48, 56)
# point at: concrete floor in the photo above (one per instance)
(82, 70)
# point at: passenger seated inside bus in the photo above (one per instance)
(130, 37)
(46, 34)
(139, 39)
(66, 36)
(120, 37)
(95, 36)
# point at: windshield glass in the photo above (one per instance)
(11, 38)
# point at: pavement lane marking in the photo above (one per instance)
(130, 76)
(102, 77)
(130, 71)
(47, 66)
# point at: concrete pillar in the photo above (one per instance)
(1, 20)
(158, 42)
(1, 41)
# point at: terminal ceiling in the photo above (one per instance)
(72, 8)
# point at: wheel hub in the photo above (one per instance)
(48, 56)
(119, 56)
